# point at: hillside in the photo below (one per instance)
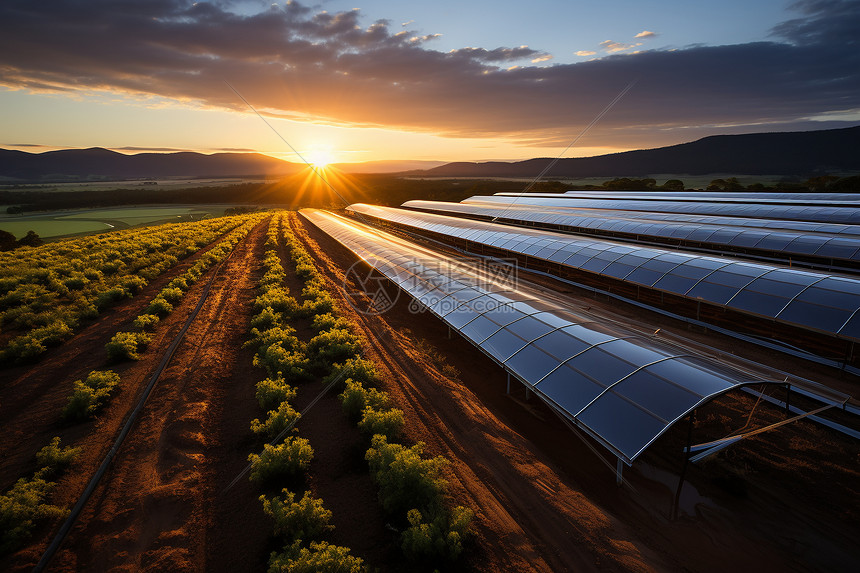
(98, 163)
(804, 153)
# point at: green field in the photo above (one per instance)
(64, 223)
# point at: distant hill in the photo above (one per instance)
(804, 153)
(394, 166)
(98, 163)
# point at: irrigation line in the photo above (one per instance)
(94, 482)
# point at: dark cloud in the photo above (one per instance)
(293, 61)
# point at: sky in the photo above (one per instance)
(354, 81)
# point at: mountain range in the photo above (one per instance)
(804, 153)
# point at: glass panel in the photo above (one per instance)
(569, 389)
(561, 345)
(656, 395)
(602, 366)
(529, 328)
(620, 423)
(816, 316)
(531, 364)
(503, 344)
(480, 328)
(634, 350)
(461, 316)
(759, 302)
(711, 292)
(696, 375)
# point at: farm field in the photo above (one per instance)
(62, 223)
(180, 494)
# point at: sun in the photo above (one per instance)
(319, 157)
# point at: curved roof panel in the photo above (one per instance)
(808, 299)
(826, 242)
(816, 213)
(622, 388)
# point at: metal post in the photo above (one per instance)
(449, 332)
(619, 468)
(508, 390)
(787, 400)
(528, 393)
(677, 501)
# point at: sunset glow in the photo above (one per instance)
(399, 81)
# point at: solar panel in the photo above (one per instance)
(623, 389)
(815, 241)
(820, 301)
(823, 213)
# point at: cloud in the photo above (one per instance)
(296, 62)
(542, 58)
(612, 47)
(585, 53)
(645, 34)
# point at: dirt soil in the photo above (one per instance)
(544, 499)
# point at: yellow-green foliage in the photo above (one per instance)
(277, 420)
(287, 459)
(305, 519)
(406, 479)
(127, 345)
(320, 557)
(272, 391)
(438, 538)
(388, 422)
(90, 394)
(20, 507)
(55, 458)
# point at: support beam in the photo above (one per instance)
(508, 390)
(619, 469)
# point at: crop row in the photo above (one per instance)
(47, 291)
(127, 345)
(24, 503)
(299, 522)
(412, 489)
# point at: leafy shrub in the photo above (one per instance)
(133, 283)
(332, 346)
(272, 391)
(281, 335)
(293, 365)
(406, 480)
(439, 538)
(23, 348)
(171, 294)
(55, 458)
(266, 319)
(110, 296)
(20, 507)
(304, 519)
(279, 300)
(127, 345)
(91, 394)
(321, 557)
(288, 459)
(160, 306)
(355, 398)
(359, 369)
(388, 423)
(76, 282)
(277, 421)
(53, 333)
(328, 321)
(146, 321)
